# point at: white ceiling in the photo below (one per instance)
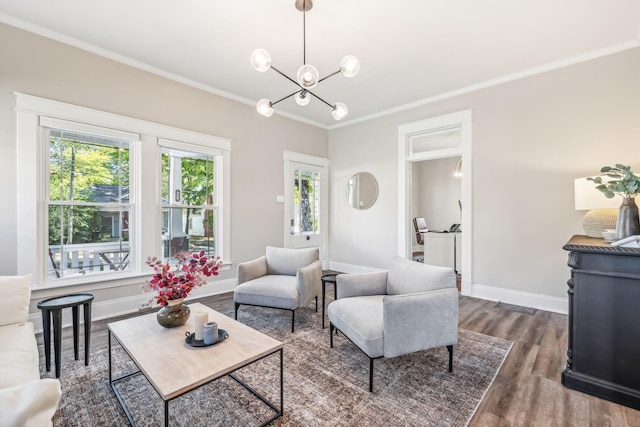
(411, 51)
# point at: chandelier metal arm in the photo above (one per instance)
(332, 106)
(285, 76)
(330, 75)
(286, 97)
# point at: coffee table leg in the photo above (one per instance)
(282, 381)
(166, 413)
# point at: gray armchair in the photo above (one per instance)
(284, 278)
(409, 308)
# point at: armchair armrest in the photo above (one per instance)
(420, 321)
(252, 269)
(362, 284)
(308, 281)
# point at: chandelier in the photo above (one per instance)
(307, 76)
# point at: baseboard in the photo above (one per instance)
(527, 299)
(119, 306)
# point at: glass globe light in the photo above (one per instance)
(264, 107)
(349, 66)
(303, 97)
(260, 60)
(340, 111)
(307, 76)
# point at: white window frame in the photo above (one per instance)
(30, 245)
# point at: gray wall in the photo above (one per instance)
(531, 138)
(37, 66)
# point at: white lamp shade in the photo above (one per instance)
(588, 198)
(261, 60)
(308, 76)
(340, 111)
(349, 66)
(264, 107)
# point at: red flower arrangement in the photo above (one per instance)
(190, 272)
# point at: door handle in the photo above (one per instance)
(308, 237)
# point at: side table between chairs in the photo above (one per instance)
(328, 276)
(54, 306)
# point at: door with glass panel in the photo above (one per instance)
(305, 205)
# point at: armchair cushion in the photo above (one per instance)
(286, 261)
(361, 320)
(409, 277)
(18, 355)
(269, 291)
(17, 294)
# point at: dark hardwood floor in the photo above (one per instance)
(527, 390)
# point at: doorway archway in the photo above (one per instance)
(413, 146)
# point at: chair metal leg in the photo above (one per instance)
(450, 348)
(371, 375)
(331, 334)
(293, 319)
(237, 307)
(316, 303)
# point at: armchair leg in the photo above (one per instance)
(450, 348)
(293, 319)
(236, 311)
(370, 375)
(316, 303)
(331, 334)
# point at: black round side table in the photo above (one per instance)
(54, 306)
(328, 277)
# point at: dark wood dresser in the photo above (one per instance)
(603, 355)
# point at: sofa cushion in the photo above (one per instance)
(19, 355)
(269, 291)
(360, 319)
(16, 295)
(287, 261)
(32, 404)
(410, 277)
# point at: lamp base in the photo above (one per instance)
(598, 220)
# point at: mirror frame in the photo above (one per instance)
(354, 185)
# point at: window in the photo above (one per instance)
(94, 211)
(88, 203)
(189, 203)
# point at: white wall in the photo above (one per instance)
(37, 66)
(531, 138)
(436, 199)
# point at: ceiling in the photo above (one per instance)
(410, 51)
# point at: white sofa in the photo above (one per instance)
(25, 399)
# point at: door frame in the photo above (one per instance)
(320, 162)
(406, 133)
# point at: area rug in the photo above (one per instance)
(322, 386)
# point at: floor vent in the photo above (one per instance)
(518, 308)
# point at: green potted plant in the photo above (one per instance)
(620, 180)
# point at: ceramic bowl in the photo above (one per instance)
(609, 235)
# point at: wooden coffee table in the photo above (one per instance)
(152, 348)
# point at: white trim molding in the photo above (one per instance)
(526, 299)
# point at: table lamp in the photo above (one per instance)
(602, 212)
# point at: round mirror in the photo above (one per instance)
(362, 190)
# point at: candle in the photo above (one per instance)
(202, 317)
(210, 333)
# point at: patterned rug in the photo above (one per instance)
(322, 386)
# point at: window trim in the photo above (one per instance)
(146, 178)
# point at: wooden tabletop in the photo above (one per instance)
(172, 366)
